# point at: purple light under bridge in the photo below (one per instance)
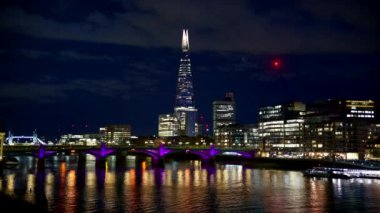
(162, 151)
(102, 152)
(42, 153)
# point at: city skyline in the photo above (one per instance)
(58, 76)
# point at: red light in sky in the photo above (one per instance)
(276, 63)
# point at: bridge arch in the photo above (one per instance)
(185, 153)
(147, 152)
(201, 153)
(243, 154)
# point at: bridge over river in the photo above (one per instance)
(158, 154)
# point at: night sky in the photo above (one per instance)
(72, 66)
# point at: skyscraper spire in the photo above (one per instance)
(184, 120)
(185, 41)
(185, 93)
(184, 107)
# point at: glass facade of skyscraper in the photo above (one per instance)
(184, 108)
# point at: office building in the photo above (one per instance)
(281, 128)
(339, 128)
(168, 125)
(373, 145)
(224, 112)
(203, 127)
(80, 140)
(237, 136)
(116, 134)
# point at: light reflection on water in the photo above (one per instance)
(73, 184)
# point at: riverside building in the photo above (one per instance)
(168, 125)
(339, 128)
(224, 112)
(373, 145)
(281, 129)
(116, 134)
(237, 136)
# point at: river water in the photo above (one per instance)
(133, 185)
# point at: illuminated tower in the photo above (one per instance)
(224, 112)
(184, 107)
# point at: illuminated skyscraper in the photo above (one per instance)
(224, 112)
(184, 107)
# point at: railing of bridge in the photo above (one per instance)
(26, 148)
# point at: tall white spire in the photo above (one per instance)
(185, 40)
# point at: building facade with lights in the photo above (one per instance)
(224, 112)
(281, 128)
(168, 125)
(116, 134)
(339, 128)
(81, 140)
(373, 144)
(237, 136)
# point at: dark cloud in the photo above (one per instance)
(33, 53)
(47, 93)
(56, 76)
(70, 55)
(255, 27)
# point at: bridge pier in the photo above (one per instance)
(210, 171)
(82, 160)
(40, 164)
(208, 162)
(100, 173)
(100, 163)
(41, 199)
(121, 162)
(158, 176)
(41, 155)
(158, 162)
(101, 155)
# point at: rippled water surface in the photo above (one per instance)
(70, 184)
